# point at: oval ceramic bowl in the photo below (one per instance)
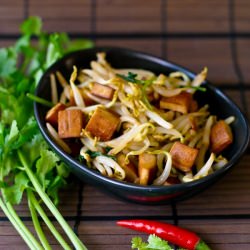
(220, 105)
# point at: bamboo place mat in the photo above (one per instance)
(191, 33)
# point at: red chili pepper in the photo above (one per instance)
(168, 232)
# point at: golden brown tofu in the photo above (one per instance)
(147, 168)
(87, 100)
(102, 91)
(183, 156)
(70, 123)
(179, 103)
(220, 137)
(129, 168)
(103, 124)
(52, 114)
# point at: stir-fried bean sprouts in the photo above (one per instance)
(58, 140)
(133, 125)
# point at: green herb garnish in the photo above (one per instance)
(199, 88)
(94, 154)
(153, 243)
(27, 165)
(132, 77)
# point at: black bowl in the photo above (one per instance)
(220, 105)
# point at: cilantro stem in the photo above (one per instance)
(22, 225)
(36, 223)
(32, 244)
(67, 229)
(39, 100)
(45, 218)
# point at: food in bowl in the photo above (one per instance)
(136, 126)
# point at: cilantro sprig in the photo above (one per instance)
(94, 154)
(132, 77)
(27, 165)
(153, 243)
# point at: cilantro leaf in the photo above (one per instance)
(26, 163)
(33, 147)
(14, 193)
(154, 243)
(94, 154)
(53, 188)
(55, 49)
(131, 77)
(31, 26)
(79, 44)
(137, 243)
(26, 133)
(9, 58)
(45, 164)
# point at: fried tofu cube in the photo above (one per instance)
(179, 103)
(147, 167)
(183, 156)
(103, 124)
(220, 137)
(70, 123)
(87, 100)
(52, 114)
(102, 91)
(129, 168)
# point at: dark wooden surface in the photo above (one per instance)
(192, 33)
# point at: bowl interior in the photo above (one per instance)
(220, 105)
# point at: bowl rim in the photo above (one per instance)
(122, 184)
